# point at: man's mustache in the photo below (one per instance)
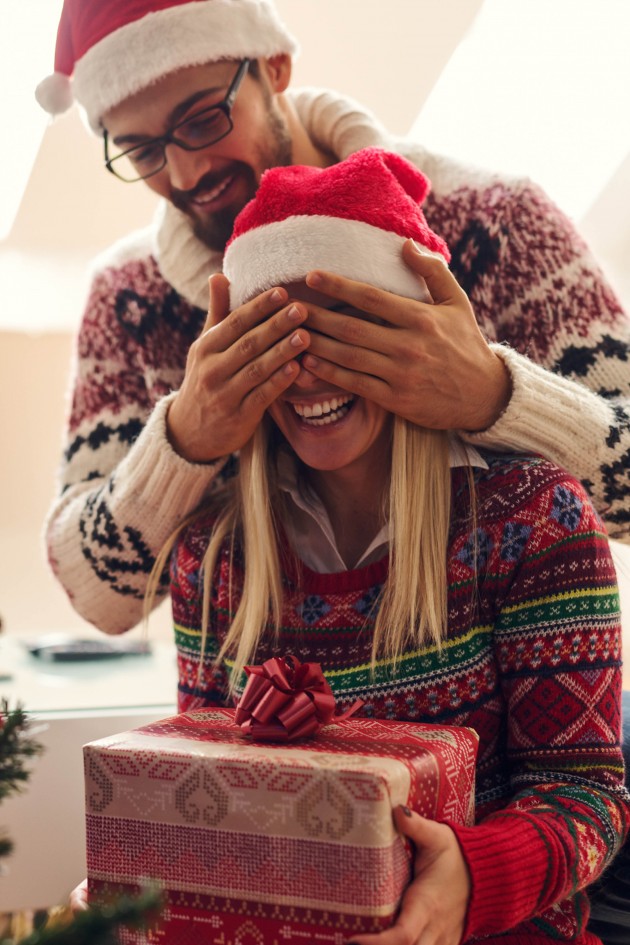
(207, 182)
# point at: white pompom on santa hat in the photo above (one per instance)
(351, 219)
(108, 51)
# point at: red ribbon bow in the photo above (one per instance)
(284, 700)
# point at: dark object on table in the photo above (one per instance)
(56, 648)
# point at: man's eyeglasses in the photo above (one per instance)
(200, 130)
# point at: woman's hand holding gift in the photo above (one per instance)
(433, 910)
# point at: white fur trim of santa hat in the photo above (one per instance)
(285, 251)
(140, 52)
(351, 218)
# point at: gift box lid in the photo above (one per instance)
(427, 767)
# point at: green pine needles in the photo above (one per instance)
(97, 925)
(16, 750)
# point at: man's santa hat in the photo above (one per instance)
(351, 218)
(107, 50)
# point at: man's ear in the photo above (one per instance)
(278, 71)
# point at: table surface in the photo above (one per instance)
(94, 686)
(70, 704)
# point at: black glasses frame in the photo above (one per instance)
(170, 137)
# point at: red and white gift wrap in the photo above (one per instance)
(265, 843)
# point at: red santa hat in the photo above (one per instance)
(351, 219)
(108, 50)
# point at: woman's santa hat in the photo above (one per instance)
(107, 50)
(351, 218)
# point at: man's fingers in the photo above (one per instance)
(263, 395)
(219, 303)
(226, 327)
(440, 281)
(241, 339)
(350, 328)
(257, 372)
(384, 306)
(355, 382)
(341, 349)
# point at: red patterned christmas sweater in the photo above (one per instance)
(531, 662)
(536, 292)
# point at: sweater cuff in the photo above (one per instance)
(511, 868)
(166, 483)
(547, 414)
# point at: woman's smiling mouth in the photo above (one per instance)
(325, 411)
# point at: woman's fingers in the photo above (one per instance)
(434, 906)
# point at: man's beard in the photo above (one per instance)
(214, 231)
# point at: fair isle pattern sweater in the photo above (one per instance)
(531, 662)
(533, 286)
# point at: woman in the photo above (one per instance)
(436, 584)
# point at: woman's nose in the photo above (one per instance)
(305, 380)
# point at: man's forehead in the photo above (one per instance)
(161, 99)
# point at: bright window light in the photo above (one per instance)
(542, 89)
(26, 56)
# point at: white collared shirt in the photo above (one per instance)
(309, 528)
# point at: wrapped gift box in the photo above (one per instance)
(258, 843)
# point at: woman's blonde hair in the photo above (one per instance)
(412, 605)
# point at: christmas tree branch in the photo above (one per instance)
(16, 748)
(98, 924)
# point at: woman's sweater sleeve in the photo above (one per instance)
(558, 651)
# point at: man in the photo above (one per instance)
(192, 98)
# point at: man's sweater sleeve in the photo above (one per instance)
(559, 656)
(552, 304)
(122, 489)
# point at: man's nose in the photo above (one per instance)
(185, 168)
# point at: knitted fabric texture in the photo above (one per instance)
(533, 286)
(531, 662)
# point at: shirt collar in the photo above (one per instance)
(309, 528)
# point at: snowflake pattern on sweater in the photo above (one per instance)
(532, 284)
(531, 662)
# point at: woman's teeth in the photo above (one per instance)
(328, 411)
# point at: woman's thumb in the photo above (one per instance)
(422, 831)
